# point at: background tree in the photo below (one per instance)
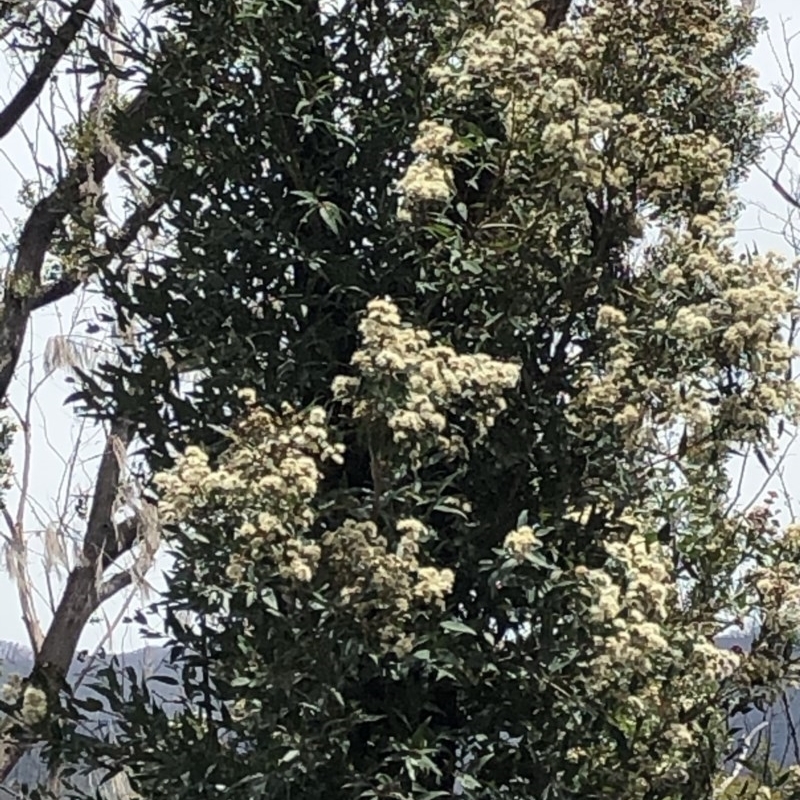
(43, 534)
(66, 61)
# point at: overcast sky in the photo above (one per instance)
(56, 429)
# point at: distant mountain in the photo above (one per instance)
(782, 731)
(149, 661)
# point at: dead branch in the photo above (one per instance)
(787, 96)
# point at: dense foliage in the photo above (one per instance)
(450, 507)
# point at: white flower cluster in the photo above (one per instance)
(610, 317)
(632, 602)
(261, 494)
(382, 586)
(265, 481)
(435, 139)
(715, 311)
(639, 635)
(427, 180)
(778, 590)
(411, 384)
(34, 706)
(521, 541)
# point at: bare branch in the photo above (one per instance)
(105, 541)
(114, 584)
(82, 594)
(18, 552)
(85, 591)
(779, 187)
(32, 88)
(9, 524)
(23, 291)
(115, 247)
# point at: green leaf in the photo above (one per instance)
(90, 704)
(454, 626)
(331, 216)
(289, 756)
(468, 782)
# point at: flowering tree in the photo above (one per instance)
(452, 510)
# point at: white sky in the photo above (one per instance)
(56, 428)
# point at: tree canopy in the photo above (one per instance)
(471, 348)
